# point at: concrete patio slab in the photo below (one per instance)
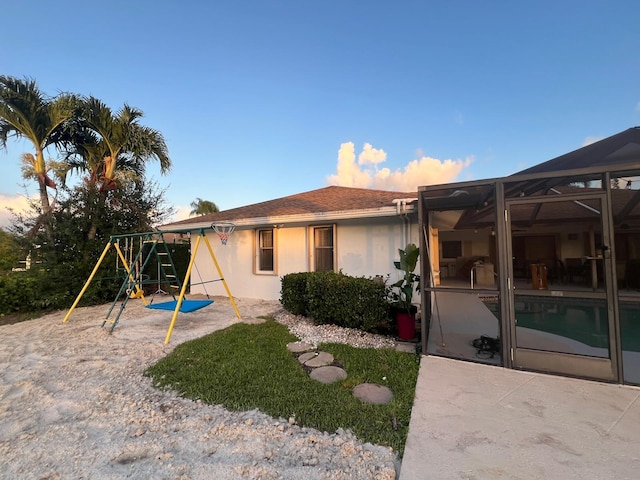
(473, 421)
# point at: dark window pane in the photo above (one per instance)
(324, 237)
(265, 250)
(323, 249)
(451, 249)
(266, 238)
(266, 260)
(324, 260)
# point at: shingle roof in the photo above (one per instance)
(323, 200)
(623, 147)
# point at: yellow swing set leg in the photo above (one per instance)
(138, 291)
(224, 282)
(182, 290)
(188, 275)
(86, 285)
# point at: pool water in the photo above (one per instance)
(578, 319)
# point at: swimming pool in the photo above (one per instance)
(582, 320)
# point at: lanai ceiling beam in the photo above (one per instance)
(631, 204)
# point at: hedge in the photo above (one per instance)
(335, 298)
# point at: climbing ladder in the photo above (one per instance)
(165, 262)
(133, 284)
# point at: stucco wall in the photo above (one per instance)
(364, 248)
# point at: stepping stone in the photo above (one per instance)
(373, 393)
(306, 356)
(328, 374)
(319, 360)
(299, 347)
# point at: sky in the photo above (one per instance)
(262, 99)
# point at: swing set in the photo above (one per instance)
(152, 245)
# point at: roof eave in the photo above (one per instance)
(304, 218)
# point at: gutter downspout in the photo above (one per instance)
(401, 209)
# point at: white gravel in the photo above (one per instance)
(74, 404)
(306, 331)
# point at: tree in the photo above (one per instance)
(26, 112)
(126, 144)
(65, 256)
(136, 207)
(111, 148)
(202, 207)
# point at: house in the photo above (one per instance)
(544, 263)
(539, 270)
(356, 231)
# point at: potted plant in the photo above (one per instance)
(402, 291)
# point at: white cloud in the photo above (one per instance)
(422, 171)
(181, 213)
(17, 203)
(371, 156)
(590, 140)
(348, 173)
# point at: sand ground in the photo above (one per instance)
(74, 404)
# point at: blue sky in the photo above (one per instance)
(262, 99)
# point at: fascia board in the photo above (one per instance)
(304, 218)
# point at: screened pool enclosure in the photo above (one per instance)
(539, 270)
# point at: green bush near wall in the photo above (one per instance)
(40, 290)
(16, 292)
(56, 287)
(293, 294)
(335, 298)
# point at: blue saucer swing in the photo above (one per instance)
(186, 307)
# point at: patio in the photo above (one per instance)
(483, 422)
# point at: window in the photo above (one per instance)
(323, 250)
(451, 249)
(265, 251)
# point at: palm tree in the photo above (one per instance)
(111, 148)
(83, 153)
(202, 207)
(126, 144)
(26, 112)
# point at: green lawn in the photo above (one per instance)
(245, 367)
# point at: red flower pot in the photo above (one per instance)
(406, 325)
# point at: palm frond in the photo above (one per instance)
(148, 144)
(28, 166)
(26, 112)
(22, 110)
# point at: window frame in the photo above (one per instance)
(259, 249)
(312, 246)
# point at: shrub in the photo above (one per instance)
(39, 290)
(17, 291)
(327, 293)
(293, 294)
(335, 298)
(368, 302)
